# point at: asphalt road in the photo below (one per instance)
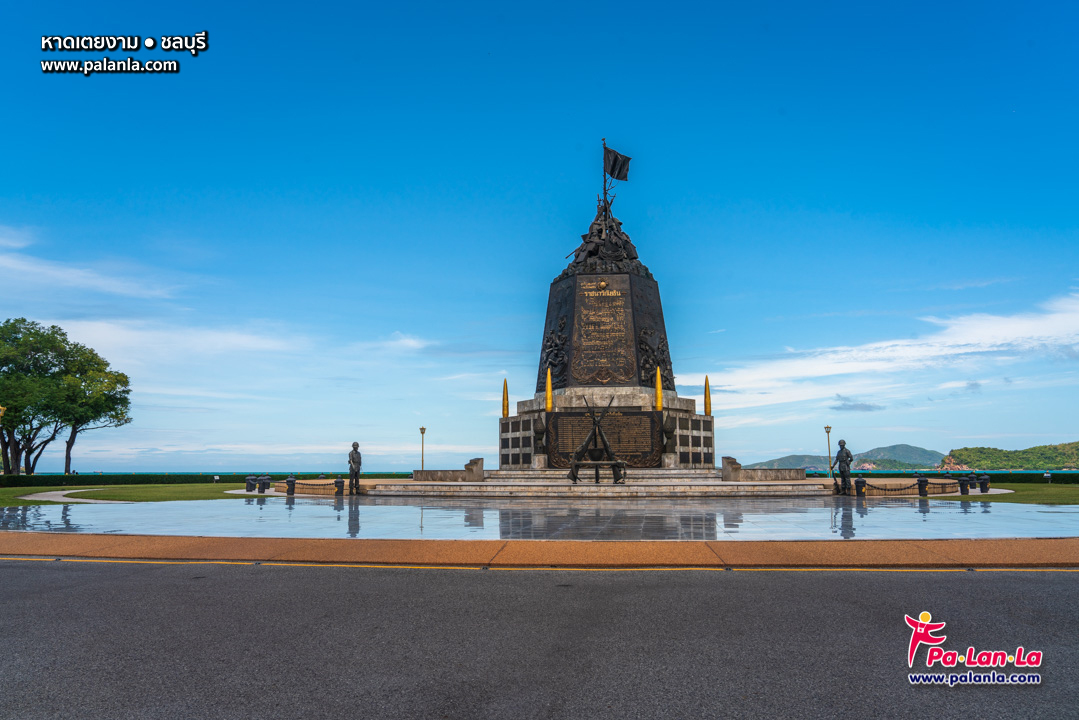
(103, 640)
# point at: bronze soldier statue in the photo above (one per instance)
(843, 459)
(605, 239)
(355, 460)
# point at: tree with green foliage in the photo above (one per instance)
(91, 397)
(1041, 457)
(31, 362)
(49, 383)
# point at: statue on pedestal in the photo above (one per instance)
(355, 460)
(843, 459)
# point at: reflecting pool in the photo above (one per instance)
(833, 518)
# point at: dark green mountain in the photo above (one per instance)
(809, 462)
(904, 454)
(893, 457)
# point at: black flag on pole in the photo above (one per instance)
(615, 164)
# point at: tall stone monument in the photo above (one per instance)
(604, 338)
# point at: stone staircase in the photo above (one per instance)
(639, 489)
(633, 475)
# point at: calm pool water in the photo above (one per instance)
(477, 519)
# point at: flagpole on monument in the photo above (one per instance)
(606, 204)
(616, 167)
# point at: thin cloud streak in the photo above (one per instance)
(46, 273)
(977, 336)
(14, 238)
(397, 342)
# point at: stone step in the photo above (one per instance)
(632, 475)
(565, 489)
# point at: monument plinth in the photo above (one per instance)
(605, 343)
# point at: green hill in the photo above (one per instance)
(1042, 457)
(809, 462)
(893, 457)
(864, 463)
(907, 454)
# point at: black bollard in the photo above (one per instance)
(249, 483)
(290, 485)
(983, 483)
(859, 486)
(339, 486)
(964, 485)
(923, 486)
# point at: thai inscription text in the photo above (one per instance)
(603, 332)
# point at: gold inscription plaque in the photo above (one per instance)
(603, 331)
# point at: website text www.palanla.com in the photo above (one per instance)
(973, 678)
(109, 65)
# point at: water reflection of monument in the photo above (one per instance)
(594, 523)
(669, 520)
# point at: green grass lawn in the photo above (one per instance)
(1047, 493)
(157, 493)
(1035, 493)
(134, 493)
(9, 496)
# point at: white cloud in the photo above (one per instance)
(332, 449)
(967, 284)
(959, 339)
(962, 342)
(196, 392)
(729, 422)
(129, 341)
(397, 342)
(14, 237)
(48, 274)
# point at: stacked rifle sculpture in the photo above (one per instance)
(600, 453)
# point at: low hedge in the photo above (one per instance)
(165, 479)
(1004, 476)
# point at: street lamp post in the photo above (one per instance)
(828, 432)
(423, 430)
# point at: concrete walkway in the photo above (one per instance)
(715, 555)
(255, 493)
(61, 496)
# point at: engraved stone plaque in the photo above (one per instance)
(635, 436)
(603, 349)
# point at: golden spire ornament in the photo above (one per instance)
(505, 398)
(548, 395)
(659, 390)
(707, 397)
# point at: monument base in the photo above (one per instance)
(606, 490)
(675, 438)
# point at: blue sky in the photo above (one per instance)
(340, 222)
